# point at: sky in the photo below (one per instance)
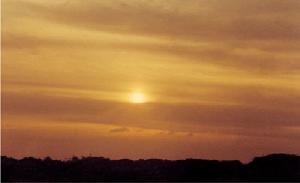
(142, 79)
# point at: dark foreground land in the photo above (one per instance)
(275, 167)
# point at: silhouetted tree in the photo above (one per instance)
(275, 167)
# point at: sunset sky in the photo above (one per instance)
(138, 79)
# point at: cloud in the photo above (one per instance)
(165, 116)
(209, 67)
(235, 34)
(249, 60)
(198, 20)
(119, 130)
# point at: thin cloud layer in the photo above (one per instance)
(215, 74)
(249, 33)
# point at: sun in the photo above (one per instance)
(137, 97)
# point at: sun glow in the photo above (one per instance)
(137, 97)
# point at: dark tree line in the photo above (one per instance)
(276, 167)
